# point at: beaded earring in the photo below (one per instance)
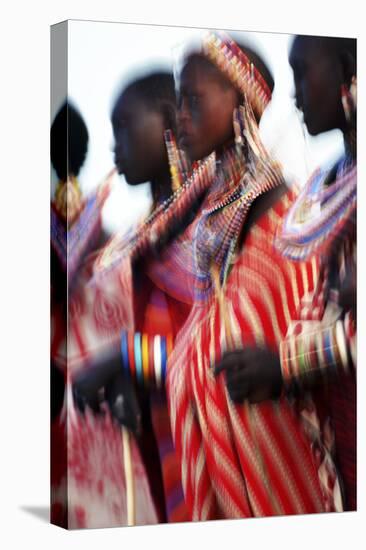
(178, 162)
(238, 131)
(68, 199)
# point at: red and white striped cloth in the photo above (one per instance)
(243, 460)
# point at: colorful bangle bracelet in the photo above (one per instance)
(145, 358)
(341, 345)
(293, 358)
(163, 358)
(131, 356)
(320, 352)
(301, 358)
(157, 360)
(284, 361)
(138, 358)
(311, 353)
(169, 345)
(328, 348)
(124, 352)
(151, 360)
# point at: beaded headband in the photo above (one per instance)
(236, 65)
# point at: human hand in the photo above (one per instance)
(120, 394)
(89, 384)
(106, 383)
(251, 373)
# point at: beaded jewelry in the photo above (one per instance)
(236, 65)
(156, 224)
(320, 216)
(138, 356)
(178, 162)
(303, 356)
(68, 201)
(244, 173)
(75, 225)
(144, 357)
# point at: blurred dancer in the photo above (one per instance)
(76, 227)
(236, 460)
(319, 351)
(144, 125)
(230, 465)
(75, 231)
(128, 293)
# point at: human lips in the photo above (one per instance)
(300, 109)
(185, 138)
(119, 164)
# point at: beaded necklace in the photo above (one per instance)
(75, 222)
(244, 173)
(321, 215)
(146, 237)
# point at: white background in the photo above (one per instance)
(24, 301)
(104, 57)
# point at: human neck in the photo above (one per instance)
(220, 151)
(161, 188)
(350, 143)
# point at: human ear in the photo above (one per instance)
(349, 67)
(169, 113)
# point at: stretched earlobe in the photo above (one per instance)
(178, 162)
(169, 116)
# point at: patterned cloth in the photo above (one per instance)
(73, 239)
(321, 341)
(242, 460)
(177, 279)
(322, 216)
(88, 482)
(124, 298)
(159, 313)
(88, 487)
(96, 485)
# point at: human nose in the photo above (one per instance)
(183, 111)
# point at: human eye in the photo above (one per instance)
(193, 101)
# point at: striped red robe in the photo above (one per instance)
(242, 460)
(88, 486)
(96, 315)
(91, 446)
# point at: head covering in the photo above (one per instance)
(239, 69)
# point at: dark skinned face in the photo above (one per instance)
(139, 151)
(205, 110)
(318, 76)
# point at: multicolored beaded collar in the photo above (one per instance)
(321, 214)
(241, 177)
(136, 244)
(75, 223)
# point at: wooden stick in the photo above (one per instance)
(128, 470)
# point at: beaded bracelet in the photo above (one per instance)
(322, 351)
(144, 357)
(138, 357)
